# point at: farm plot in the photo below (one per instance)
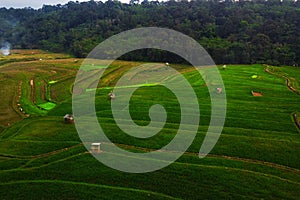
(27, 81)
(256, 156)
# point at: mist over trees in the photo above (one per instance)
(232, 32)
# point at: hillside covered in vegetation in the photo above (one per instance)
(43, 157)
(232, 31)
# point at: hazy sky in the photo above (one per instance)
(35, 3)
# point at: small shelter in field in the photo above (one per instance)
(69, 119)
(96, 147)
(224, 67)
(256, 94)
(111, 95)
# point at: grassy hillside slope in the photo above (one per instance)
(257, 155)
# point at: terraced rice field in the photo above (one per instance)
(256, 157)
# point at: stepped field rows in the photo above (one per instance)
(256, 156)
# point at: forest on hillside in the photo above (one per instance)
(243, 31)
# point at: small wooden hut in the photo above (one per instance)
(219, 90)
(256, 94)
(96, 147)
(69, 119)
(111, 95)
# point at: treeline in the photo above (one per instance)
(233, 32)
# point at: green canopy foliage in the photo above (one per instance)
(232, 31)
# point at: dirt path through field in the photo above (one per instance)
(288, 81)
(288, 84)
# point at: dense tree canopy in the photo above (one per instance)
(242, 31)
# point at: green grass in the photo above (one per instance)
(92, 67)
(289, 72)
(256, 156)
(63, 190)
(182, 179)
(52, 82)
(47, 106)
(27, 102)
(61, 91)
(120, 87)
(21, 67)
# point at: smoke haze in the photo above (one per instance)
(5, 49)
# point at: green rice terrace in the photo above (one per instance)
(41, 157)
